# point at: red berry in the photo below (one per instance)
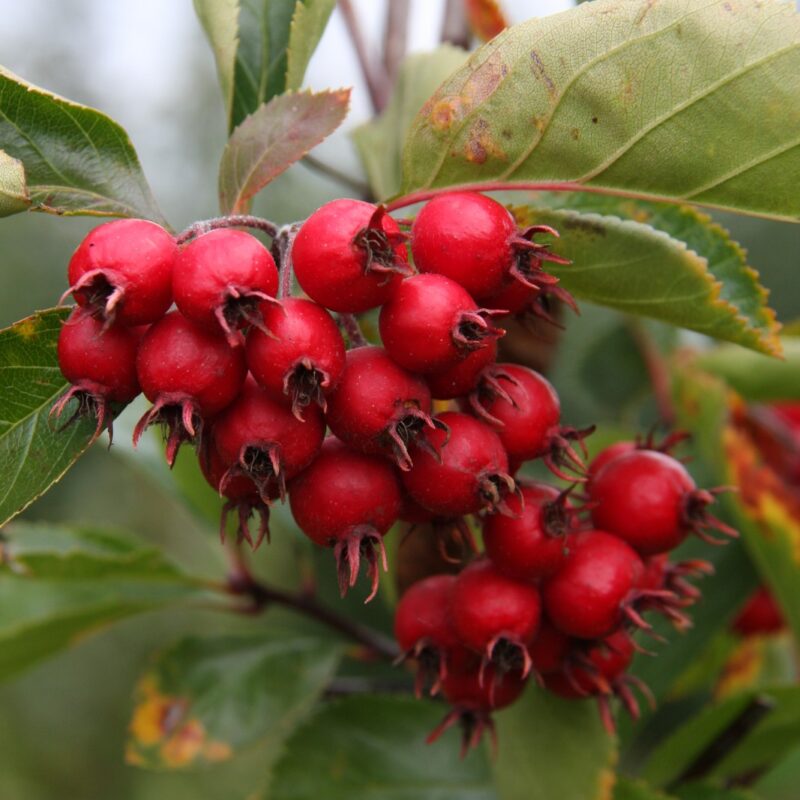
(592, 594)
(459, 468)
(221, 278)
(530, 543)
(649, 499)
(302, 358)
(760, 615)
(550, 649)
(525, 411)
(348, 501)
(495, 616)
(122, 272)
(349, 255)
(377, 406)
(100, 364)
(424, 630)
(466, 237)
(461, 378)
(189, 374)
(261, 439)
(430, 323)
(607, 455)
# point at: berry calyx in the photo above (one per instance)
(424, 630)
(302, 358)
(100, 362)
(430, 322)
(122, 272)
(262, 440)
(378, 407)
(531, 543)
(222, 278)
(349, 256)
(189, 374)
(459, 468)
(348, 501)
(649, 499)
(461, 378)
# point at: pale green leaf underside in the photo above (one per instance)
(13, 191)
(308, 25)
(76, 160)
(676, 100)
(636, 269)
(33, 454)
(271, 139)
(220, 21)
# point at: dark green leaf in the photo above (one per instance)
(58, 552)
(613, 97)
(271, 139)
(204, 699)
(76, 160)
(537, 727)
(373, 748)
(626, 789)
(33, 454)
(380, 141)
(220, 21)
(707, 791)
(13, 191)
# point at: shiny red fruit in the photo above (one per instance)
(760, 615)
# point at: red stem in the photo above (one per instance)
(374, 73)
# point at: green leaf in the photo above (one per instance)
(707, 791)
(613, 97)
(308, 24)
(39, 618)
(76, 160)
(635, 268)
(540, 725)
(627, 789)
(373, 748)
(380, 141)
(59, 552)
(13, 191)
(756, 378)
(206, 698)
(33, 454)
(271, 139)
(220, 21)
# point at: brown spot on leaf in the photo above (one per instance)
(481, 144)
(481, 84)
(27, 328)
(595, 120)
(575, 134)
(445, 112)
(644, 12)
(540, 73)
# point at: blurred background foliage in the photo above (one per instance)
(147, 65)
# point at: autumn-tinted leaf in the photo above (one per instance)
(13, 191)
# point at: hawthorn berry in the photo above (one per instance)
(461, 378)
(649, 499)
(760, 615)
(261, 439)
(122, 272)
(347, 500)
(378, 407)
(549, 650)
(459, 467)
(222, 278)
(430, 323)
(99, 361)
(189, 374)
(349, 256)
(301, 359)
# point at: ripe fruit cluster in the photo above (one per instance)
(427, 428)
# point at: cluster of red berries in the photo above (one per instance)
(254, 377)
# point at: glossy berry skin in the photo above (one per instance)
(471, 475)
(378, 407)
(334, 270)
(530, 543)
(760, 615)
(586, 597)
(430, 323)
(122, 271)
(303, 359)
(464, 689)
(261, 439)
(463, 377)
(466, 237)
(423, 614)
(102, 362)
(487, 606)
(607, 455)
(527, 423)
(220, 277)
(550, 649)
(640, 497)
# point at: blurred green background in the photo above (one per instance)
(62, 725)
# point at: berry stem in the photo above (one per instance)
(232, 221)
(359, 188)
(283, 252)
(350, 326)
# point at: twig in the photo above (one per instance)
(656, 368)
(350, 325)
(374, 73)
(395, 37)
(282, 247)
(356, 186)
(232, 221)
(455, 28)
(345, 686)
